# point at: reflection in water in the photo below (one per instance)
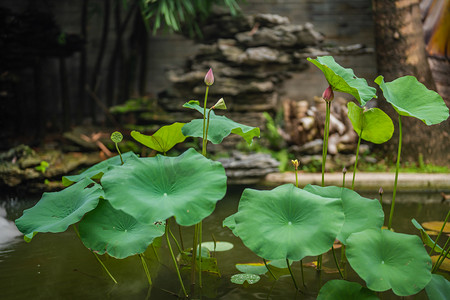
(8, 230)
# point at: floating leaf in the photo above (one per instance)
(360, 213)
(386, 259)
(97, 170)
(260, 268)
(438, 288)
(445, 264)
(425, 237)
(209, 264)
(376, 124)
(219, 127)
(436, 226)
(344, 80)
(243, 278)
(58, 210)
(162, 140)
(344, 290)
(411, 98)
(153, 189)
(218, 246)
(287, 222)
(107, 230)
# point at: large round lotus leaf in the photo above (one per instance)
(153, 189)
(386, 259)
(162, 140)
(107, 230)
(360, 213)
(344, 80)
(58, 210)
(411, 98)
(376, 125)
(219, 127)
(345, 290)
(438, 288)
(97, 170)
(287, 222)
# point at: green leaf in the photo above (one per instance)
(376, 124)
(344, 80)
(411, 98)
(389, 260)
(344, 290)
(153, 189)
(218, 246)
(107, 230)
(360, 213)
(260, 268)
(245, 278)
(287, 222)
(219, 127)
(116, 137)
(97, 170)
(58, 210)
(438, 288)
(426, 239)
(162, 140)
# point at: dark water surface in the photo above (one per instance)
(58, 266)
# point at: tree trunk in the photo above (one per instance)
(400, 49)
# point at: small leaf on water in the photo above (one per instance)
(220, 246)
(445, 266)
(116, 137)
(436, 226)
(242, 278)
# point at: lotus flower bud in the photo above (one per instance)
(295, 163)
(344, 170)
(380, 191)
(328, 94)
(220, 104)
(209, 77)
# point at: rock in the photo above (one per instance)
(312, 147)
(271, 20)
(261, 55)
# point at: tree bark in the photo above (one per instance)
(401, 51)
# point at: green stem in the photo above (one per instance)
(174, 259)
(175, 240)
(120, 154)
(181, 236)
(396, 171)
(194, 257)
(292, 275)
(96, 256)
(325, 139)
(270, 271)
(443, 255)
(303, 274)
(205, 141)
(200, 253)
(204, 119)
(319, 263)
(337, 264)
(356, 160)
(296, 177)
(440, 232)
(156, 253)
(147, 273)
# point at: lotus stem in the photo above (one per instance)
(144, 264)
(356, 160)
(319, 263)
(96, 256)
(440, 232)
(181, 236)
(120, 154)
(156, 253)
(396, 171)
(200, 252)
(325, 139)
(292, 275)
(303, 274)
(174, 259)
(204, 120)
(443, 255)
(270, 271)
(175, 240)
(194, 257)
(337, 264)
(205, 141)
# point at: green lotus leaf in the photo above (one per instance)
(219, 127)
(218, 246)
(344, 80)
(107, 230)
(386, 259)
(411, 98)
(243, 278)
(376, 124)
(345, 290)
(153, 189)
(58, 210)
(426, 239)
(230, 222)
(97, 170)
(260, 268)
(287, 222)
(438, 288)
(360, 213)
(162, 140)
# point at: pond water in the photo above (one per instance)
(58, 266)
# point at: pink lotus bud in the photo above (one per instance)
(328, 94)
(380, 191)
(209, 77)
